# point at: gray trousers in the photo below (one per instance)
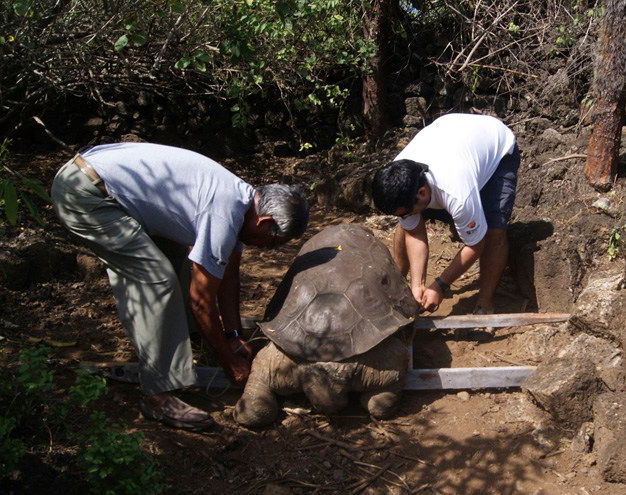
(145, 285)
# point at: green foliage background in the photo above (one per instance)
(302, 50)
(36, 411)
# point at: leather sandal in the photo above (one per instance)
(178, 414)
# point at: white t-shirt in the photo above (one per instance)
(462, 152)
(179, 195)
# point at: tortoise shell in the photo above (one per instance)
(341, 296)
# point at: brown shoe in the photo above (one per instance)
(176, 413)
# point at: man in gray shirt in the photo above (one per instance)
(131, 203)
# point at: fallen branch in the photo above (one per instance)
(411, 458)
(361, 485)
(566, 157)
(339, 443)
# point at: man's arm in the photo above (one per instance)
(416, 242)
(465, 258)
(203, 299)
(228, 302)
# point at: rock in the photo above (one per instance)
(604, 205)
(355, 191)
(605, 354)
(463, 395)
(566, 388)
(583, 441)
(120, 108)
(412, 121)
(326, 191)
(89, 267)
(610, 435)
(602, 303)
(539, 341)
(275, 489)
(381, 222)
(131, 138)
(13, 271)
(94, 122)
(416, 107)
(48, 261)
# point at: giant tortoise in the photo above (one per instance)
(335, 325)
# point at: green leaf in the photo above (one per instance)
(21, 7)
(199, 65)
(2, 40)
(10, 202)
(121, 42)
(32, 208)
(39, 190)
(139, 38)
(282, 9)
(178, 8)
(183, 62)
(202, 56)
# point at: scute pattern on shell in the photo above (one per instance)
(341, 296)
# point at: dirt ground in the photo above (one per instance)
(439, 442)
(481, 442)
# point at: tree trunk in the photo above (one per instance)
(376, 28)
(610, 97)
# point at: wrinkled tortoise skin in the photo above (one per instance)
(342, 296)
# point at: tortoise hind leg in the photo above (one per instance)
(328, 393)
(381, 404)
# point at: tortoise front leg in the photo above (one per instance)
(257, 405)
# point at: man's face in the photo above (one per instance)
(422, 198)
(260, 235)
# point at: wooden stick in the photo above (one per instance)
(566, 157)
(495, 320)
(361, 485)
(418, 379)
(339, 443)
(410, 458)
(467, 321)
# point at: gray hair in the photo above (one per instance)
(287, 206)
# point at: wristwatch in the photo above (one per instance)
(231, 334)
(442, 285)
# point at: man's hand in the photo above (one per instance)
(239, 346)
(431, 299)
(236, 367)
(418, 293)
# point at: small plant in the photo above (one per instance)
(305, 146)
(110, 459)
(113, 461)
(14, 187)
(88, 387)
(615, 243)
(11, 449)
(33, 374)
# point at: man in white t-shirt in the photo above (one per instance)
(139, 207)
(464, 166)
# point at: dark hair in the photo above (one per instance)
(396, 185)
(287, 206)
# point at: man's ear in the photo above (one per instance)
(261, 219)
(421, 193)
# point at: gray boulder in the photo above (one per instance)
(610, 435)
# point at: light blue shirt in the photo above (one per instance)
(177, 194)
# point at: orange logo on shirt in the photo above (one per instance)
(471, 225)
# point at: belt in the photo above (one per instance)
(85, 168)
